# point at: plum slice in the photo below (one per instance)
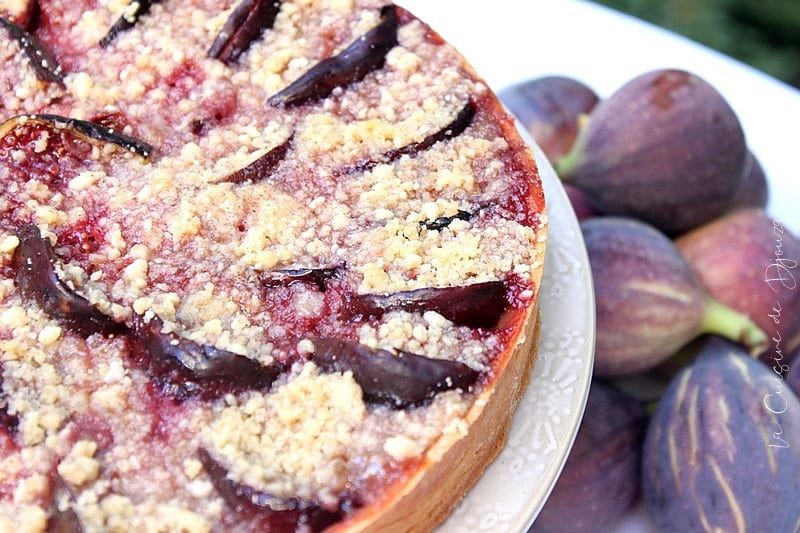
(280, 514)
(442, 222)
(479, 305)
(289, 276)
(62, 520)
(44, 64)
(127, 21)
(183, 368)
(455, 128)
(66, 521)
(399, 381)
(245, 24)
(365, 54)
(35, 275)
(8, 421)
(262, 167)
(23, 13)
(81, 128)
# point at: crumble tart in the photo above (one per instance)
(266, 266)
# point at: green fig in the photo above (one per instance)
(665, 148)
(649, 302)
(722, 451)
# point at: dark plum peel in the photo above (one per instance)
(126, 22)
(551, 109)
(649, 302)
(365, 54)
(41, 59)
(479, 305)
(455, 128)
(183, 368)
(24, 14)
(318, 277)
(246, 23)
(263, 167)
(37, 279)
(278, 513)
(600, 480)
(665, 148)
(400, 381)
(721, 449)
(8, 421)
(81, 128)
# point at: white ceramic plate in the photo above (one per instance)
(512, 490)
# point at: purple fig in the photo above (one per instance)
(550, 108)
(792, 377)
(580, 204)
(721, 452)
(600, 480)
(749, 261)
(649, 302)
(665, 148)
(754, 189)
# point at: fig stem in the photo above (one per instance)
(567, 164)
(727, 322)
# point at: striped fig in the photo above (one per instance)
(649, 302)
(793, 375)
(722, 451)
(665, 148)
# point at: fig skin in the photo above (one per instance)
(600, 480)
(721, 449)
(649, 302)
(749, 261)
(580, 204)
(792, 377)
(665, 148)
(754, 189)
(550, 108)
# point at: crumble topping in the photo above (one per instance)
(170, 238)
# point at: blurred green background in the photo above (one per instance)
(761, 33)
